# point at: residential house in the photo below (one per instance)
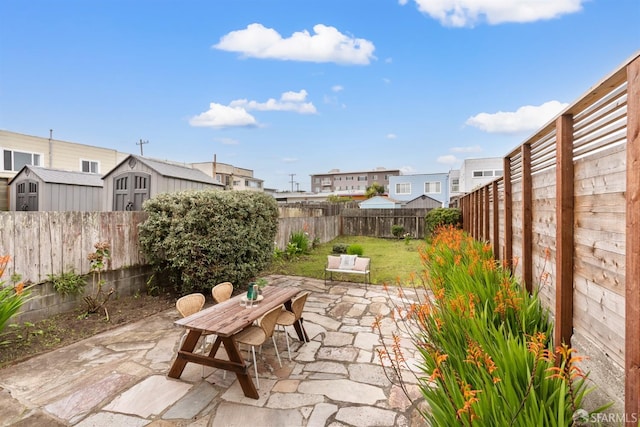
(232, 177)
(473, 173)
(408, 187)
(19, 150)
(351, 183)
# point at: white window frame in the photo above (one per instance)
(90, 162)
(455, 185)
(437, 184)
(13, 161)
(403, 186)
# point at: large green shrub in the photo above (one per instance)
(197, 239)
(443, 216)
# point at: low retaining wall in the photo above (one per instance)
(46, 302)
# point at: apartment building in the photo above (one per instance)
(351, 183)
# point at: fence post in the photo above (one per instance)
(508, 214)
(486, 213)
(527, 232)
(564, 230)
(496, 220)
(632, 255)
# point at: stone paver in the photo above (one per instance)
(119, 378)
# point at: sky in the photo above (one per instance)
(292, 88)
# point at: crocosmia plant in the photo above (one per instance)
(12, 295)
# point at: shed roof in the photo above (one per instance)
(423, 197)
(58, 176)
(170, 170)
(381, 200)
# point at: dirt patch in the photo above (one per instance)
(19, 342)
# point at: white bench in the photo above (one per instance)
(348, 264)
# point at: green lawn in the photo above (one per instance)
(390, 259)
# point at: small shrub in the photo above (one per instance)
(68, 283)
(439, 217)
(298, 243)
(397, 230)
(355, 250)
(340, 248)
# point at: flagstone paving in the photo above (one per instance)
(119, 378)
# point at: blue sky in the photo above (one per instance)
(302, 87)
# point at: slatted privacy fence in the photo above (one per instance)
(566, 217)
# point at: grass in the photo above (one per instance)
(390, 259)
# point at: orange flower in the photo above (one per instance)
(19, 288)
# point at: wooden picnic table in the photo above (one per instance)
(225, 320)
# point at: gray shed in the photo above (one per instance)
(423, 202)
(36, 188)
(137, 178)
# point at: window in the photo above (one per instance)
(374, 177)
(485, 173)
(403, 188)
(316, 180)
(90, 166)
(16, 160)
(455, 185)
(236, 183)
(362, 178)
(432, 187)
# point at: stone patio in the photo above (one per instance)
(119, 378)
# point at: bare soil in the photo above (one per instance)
(19, 342)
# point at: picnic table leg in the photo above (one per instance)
(248, 388)
(187, 346)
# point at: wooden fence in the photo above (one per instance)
(566, 217)
(43, 243)
(379, 222)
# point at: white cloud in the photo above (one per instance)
(337, 88)
(466, 13)
(228, 141)
(289, 160)
(221, 116)
(391, 136)
(386, 80)
(449, 159)
(289, 101)
(470, 149)
(526, 118)
(407, 170)
(327, 44)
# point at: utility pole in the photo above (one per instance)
(292, 175)
(140, 144)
